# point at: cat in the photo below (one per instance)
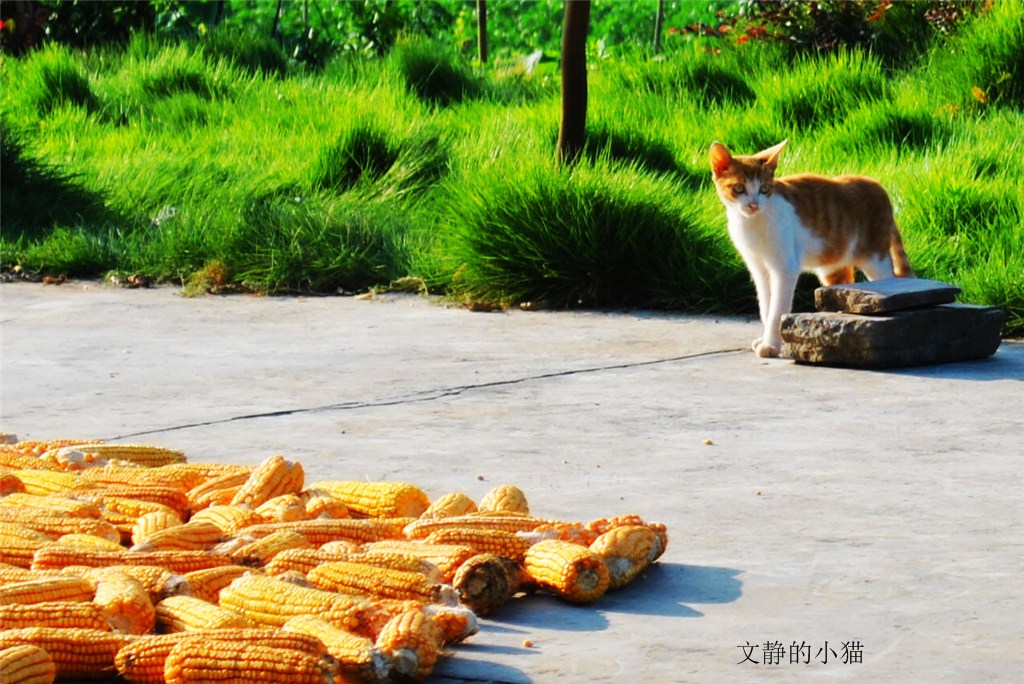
(785, 226)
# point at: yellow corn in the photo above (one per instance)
(420, 529)
(89, 541)
(53, 505)
(19, 543)
(40, 447)
(273, 477)
(283, 508)
(208, 661)
(193, 535)
(457, 623)
(55, 526)
(454, 503)
(47, 589)
(77, 652)
(367, 580)
(123, 473)
(10, 457)
(142, 454)
(26, 664)
(158, 582)
(52, 614)
(356, 655)
(272, 602)
(414, 643)
(303, 560)
(125, 602)
(627, 551)
(173, 497)
(261, 551)
(217, 490)
(229, 519)
(446, 557)
(143, 660)
(53, 556)
(206, 584)
(154, 521)
(323, 530)
(9, 482)
(185, 613)
(396, 560)
(9, 574)
(570, 571)
(505, 498)
(193, 474)
(122, 512)
(486, 582)
(377, 499)
(498, 542)
(320, 504)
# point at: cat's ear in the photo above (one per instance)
(770, 157)
(720, 159)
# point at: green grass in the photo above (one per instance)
(220, 166)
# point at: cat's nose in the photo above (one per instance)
(752, 206)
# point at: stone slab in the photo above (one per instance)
(880, 296)
(941, 334)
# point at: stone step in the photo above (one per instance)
(938, 334)
(881, 296)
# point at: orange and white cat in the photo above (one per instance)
(785, 226)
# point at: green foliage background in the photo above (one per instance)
(365, 153)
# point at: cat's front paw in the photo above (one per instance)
(764, 350)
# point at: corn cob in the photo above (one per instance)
(322, 530)
(122, 513)
(193, 535)
(154, 521)
(396, 560)
(55, 526)
(158, 582)
(206, 584)
(446, 557)
(143, 660)
(457, 623)
(70, 459)
(37, 448)
(367, 580)
(356, 655)
(229, 519)
(627, 551)
(570, 571)
(201, 661)
(414, 643)
(141, 454)
(303, 560)
(125, 602)
(26, 664)
(52, 614)
(272, 602)
(20, 543)
(9, 482)
(11, 457)
(53, 505)
(505, 498)
(47, 589)
(273, 477)
(259, 552)
(53, 556)
(88, 541)
(186, 613)
(9, 574)
(377, 499)
(320, 504)
(486, 582)
(218, 490)
(454, 503)
(77, 652)
(193, 474)
(130, 474)
(172, 497)
(420, 529)
(283, 508)
(498, 542)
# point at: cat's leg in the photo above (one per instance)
(762, 284)
(877, 267)
(835, 276)
(782, 284)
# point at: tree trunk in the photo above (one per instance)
(481, 29)
(659, 23)
(573, 130)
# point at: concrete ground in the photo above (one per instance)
(840, 525)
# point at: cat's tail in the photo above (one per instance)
(900, 260)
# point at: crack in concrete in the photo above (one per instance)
(424, 395)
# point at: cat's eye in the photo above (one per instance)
(739, 188)
(766, 189)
